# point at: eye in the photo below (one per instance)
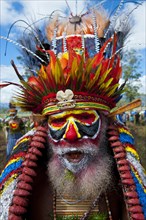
(86, 118)
(58, 122)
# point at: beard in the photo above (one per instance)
(87, 178)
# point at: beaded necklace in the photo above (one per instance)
(86, 215)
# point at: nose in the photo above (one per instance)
(72, 133)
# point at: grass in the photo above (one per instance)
(139, 133)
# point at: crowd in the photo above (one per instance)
(135, 117)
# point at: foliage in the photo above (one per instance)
(3, 111)
(98, 216)
(131, 72)
(1, 125)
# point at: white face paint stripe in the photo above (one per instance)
(61, 151)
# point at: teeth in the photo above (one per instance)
(67, 150)
(61, 151)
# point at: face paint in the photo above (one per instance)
(72, 137)
(87, 159)
(74, 125)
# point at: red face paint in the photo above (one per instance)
(73, 125)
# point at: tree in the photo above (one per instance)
(131, 72)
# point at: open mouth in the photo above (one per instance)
(75, 159)
(74, 156)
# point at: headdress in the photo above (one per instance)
(80, 69)
(12, 109)
(83, 70)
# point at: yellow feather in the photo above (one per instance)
(113, 88)
(91, 83)
(42, 73)
(52, 65)
(108, 83)
(102, 86)
(74, 67)
(89, 65)
(57, 73)
(101, 80)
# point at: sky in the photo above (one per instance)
(31, 10)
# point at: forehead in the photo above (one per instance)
(73, 113)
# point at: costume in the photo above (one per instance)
(80, 162)
(14, 129)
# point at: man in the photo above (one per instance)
(79, 163)
(14, 129)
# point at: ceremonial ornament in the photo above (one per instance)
(75, 89)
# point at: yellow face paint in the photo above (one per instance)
(58, 121)
(72, 125)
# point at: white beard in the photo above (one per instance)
(89, 182)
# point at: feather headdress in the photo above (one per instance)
(83, 70)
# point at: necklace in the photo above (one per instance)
(108, 207)
(87, 213)
(72, 203)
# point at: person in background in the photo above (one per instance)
(131, 118)
(145, 117)
(78, 162)
(137, 118)
(15, 129)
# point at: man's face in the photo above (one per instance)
(77, 139)
(69, 132)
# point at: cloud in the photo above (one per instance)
(8, 13)
(34, 9)
(142, 89)
(7, 73)
(7, 93)
(137, 38)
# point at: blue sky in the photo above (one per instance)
(32, 10)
